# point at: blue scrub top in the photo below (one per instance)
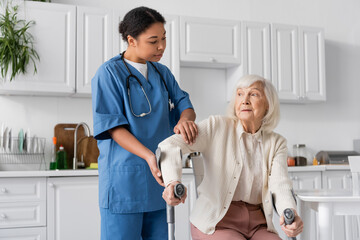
(126, 184)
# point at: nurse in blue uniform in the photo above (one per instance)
(136, 104)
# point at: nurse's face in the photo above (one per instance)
(150, 44)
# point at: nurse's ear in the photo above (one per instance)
(131, 41)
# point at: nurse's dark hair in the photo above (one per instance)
(138, 20)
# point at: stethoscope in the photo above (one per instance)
(171, 104)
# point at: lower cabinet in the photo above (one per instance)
(301, 181)
(347, 227)
(22, 208)
(72, 208)
(23, 234)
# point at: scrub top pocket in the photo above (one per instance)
(129, 188)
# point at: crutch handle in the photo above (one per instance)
(289, 217)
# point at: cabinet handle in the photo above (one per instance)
(51, 184)
(3, 190)
(212, 59)
(3, 215)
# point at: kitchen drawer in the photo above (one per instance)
(22, 189)
(23, 234)
(22, 214)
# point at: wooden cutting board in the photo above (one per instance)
(64, 133)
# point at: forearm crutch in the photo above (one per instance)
(179, 191)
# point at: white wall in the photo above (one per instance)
(322, 126)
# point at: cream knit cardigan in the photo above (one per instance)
(218, 141)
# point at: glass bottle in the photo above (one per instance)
(61, 159)
(302, 155)
(53, 155)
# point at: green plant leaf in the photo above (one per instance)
(16, 44)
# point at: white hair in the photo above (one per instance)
(272, 116)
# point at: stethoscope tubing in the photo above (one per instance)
(171, 105)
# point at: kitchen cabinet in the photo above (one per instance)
(22, 208)
(54, 40)
(298, 63)
(302, 181)
(345, 225)
(312, 64)
(285, 61)
(306, 180)
(209, 42)
(94, 44)
(292, 57)
(256, 49)
(23, 234)
(72, 42)
(72, 208)
(171, 57)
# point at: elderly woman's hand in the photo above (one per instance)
(169, 196)
(293, 229)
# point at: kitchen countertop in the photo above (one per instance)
(61, 173)
(94, 172)
(329, 167)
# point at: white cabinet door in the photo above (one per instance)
(209, 42)
(256, 49)
(23, 234)
(119, 45)
(182, 211)
(72, 209)
(340, 180)
(285, 61)
(54, 38)
(305, 180)
(171, 55)
(337, 180)
(94, 44)
(312, 64)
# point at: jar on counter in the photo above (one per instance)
(302, 155)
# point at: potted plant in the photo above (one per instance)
(16, 43)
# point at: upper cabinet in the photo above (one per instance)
(72, 43)
(285, 61)
(292, 57)
(55, 43)
(172, 53)
(209, 42)
(312, 64)
(256, 48)
(298, 58)
(94, 44)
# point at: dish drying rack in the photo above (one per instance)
(30, 152)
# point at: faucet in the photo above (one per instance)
(87, 133)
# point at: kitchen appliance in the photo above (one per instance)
(335, 157)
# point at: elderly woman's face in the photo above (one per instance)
(251, 104)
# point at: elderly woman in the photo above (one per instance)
(244, 160)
